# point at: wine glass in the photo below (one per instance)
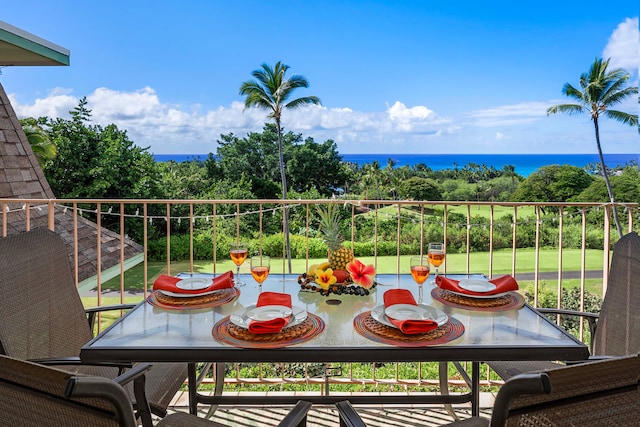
(260, 266)
(238, 252)
(420, 272)
(436, 254)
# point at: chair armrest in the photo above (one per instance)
(297, 416)
(87, 386)
(591, 317)
(348, 416)
(132, 374)
(589, 360)
(75, 361)
(585, 314)
(535, 383)
(92, 311)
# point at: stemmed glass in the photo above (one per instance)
(420, 272)
(238, 253)
(260, 266)
(436, 254)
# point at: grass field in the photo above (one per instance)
(455, 263)
(480, 210)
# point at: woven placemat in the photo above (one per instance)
(510, 301)
(370, 328)
(158, 299)
(226, 332)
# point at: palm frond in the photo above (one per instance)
(571, 92)
(307, 100)
(622, 117)
(566, 108)
(618, 96)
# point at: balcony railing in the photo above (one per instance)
(534, 242)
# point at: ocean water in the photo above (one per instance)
(524, 164)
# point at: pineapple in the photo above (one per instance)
(339, 256)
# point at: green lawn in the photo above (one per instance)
(455, 263)
(479, 210)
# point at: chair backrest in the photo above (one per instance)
(41, 313)
(35, 395)
(617, 332)
(596, 393)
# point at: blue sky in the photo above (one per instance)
(393, 76)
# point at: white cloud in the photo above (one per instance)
(190, 129)
(186, 129)
(57, 104)
(517, 114)
(623, 46)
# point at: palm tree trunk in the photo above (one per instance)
(606, 179)
(284, 195)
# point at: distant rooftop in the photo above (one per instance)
(18, 47)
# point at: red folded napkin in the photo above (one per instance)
(168, 283)
(503, 284)
(409, 326)
(272, 326)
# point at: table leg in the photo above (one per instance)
(443, 373)
(193, 388)
(219, 386)
(475, 389)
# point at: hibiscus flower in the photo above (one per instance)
(325, 278)
(361, 274)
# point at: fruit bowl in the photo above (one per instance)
(307, 283)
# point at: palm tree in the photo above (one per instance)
(600, 89)
(41, 144)
(271, 91)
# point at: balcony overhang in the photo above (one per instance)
(18, 47)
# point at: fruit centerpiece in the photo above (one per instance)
(341, 274)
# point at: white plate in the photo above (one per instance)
(479, 296)
(184, 295)
(407, 312)
(477, 285)
(378, 314)
(268, 312)
(240, 318)
(194, 283)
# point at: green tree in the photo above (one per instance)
(553, 183)
(41, 145)
(417, 188)
(600, 89)
(271, 91)
(625, 185)
(98, 162)
(316, 166)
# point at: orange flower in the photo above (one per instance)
(325, 278)
(361, 274)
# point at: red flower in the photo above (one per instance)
(361, 274)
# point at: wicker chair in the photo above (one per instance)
(40, 396)
(616, 331)
(42, 317)
(600, 393)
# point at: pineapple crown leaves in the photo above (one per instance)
(330, 225)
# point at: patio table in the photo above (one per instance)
(149, 333)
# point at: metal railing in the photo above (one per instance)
(505, 231)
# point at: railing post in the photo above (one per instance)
(51, 215)
(606, 245)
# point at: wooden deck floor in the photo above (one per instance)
(327, 416)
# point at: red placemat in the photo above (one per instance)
(370, 328)
(510, 301)
(228, 333)
(158, 299)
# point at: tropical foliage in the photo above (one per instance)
(270, 90)
(600, 90)
(102, 162)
